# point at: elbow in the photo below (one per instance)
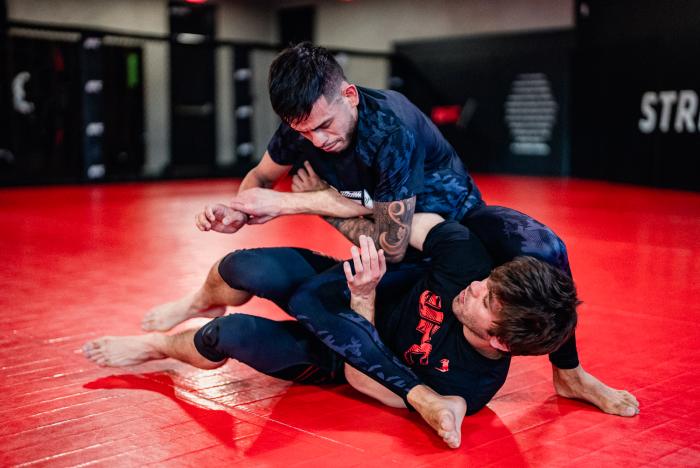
(354, 380)
(395, 257)
(259, 179)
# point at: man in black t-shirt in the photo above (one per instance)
(449, 339)
(384, 160)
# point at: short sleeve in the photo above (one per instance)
(285, 145)
(399, 165)
(457, 256)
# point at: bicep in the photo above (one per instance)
(392, 222)
(421, 226)
(268, 171)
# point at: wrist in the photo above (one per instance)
(363, 305)
(364, 296)
(296, 203)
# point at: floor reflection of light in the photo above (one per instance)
(231, 385)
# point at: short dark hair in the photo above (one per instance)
(538, 306)
(300, 75)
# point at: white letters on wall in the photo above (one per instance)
(661, 109)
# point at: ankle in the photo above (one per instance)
(569, 376)
(158, 343)
(198, 302)
(420, 396)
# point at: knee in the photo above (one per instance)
(251, 270)
(554, 250)
(206, 342)
(232, 336)
(237, 269)
(262, 272)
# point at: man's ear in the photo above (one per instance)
(349, 91)
(498, 344)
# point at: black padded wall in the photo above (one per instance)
(296, 24)
(124, 111)
(192, 88)
(45, 111)
(637, 92)
(7, 158)
(74, 111)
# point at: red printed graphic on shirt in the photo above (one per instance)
(444, 365)
(431, 318)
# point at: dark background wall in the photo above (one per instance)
(611, 92)
(68, 112)
(621, 92)
(192, 88)
(512, 93)
(626, 50)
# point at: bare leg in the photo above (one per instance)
(122, 351)
(444, 413)
(208, 301)
(579, 384)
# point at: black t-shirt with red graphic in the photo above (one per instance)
(424, 332)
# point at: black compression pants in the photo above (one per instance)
(311, 288)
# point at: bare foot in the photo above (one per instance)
(121, 351)
(443, 413)
(166, 316)
(579, 384)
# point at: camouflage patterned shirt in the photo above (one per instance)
(396, 153)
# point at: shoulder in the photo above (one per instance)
(285, 144)
(448, 232)
(286, 133)
(457, 255)
(378, 124)
(378, 110)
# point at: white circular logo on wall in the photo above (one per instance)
(531, 113)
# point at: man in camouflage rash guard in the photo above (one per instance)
(397, 154)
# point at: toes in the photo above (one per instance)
(91, 349)
(632, 402)
(450, 438)
(452, 442)
(96, 350)
(629, 406)
(94, 356)
(87, 349)
(630, 398)
(625, 409)
(90, 345)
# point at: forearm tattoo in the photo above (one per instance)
(390, 228)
